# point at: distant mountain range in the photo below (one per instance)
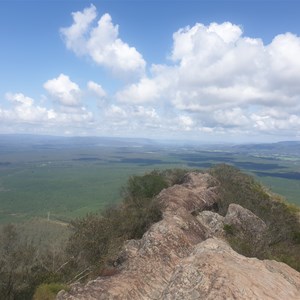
(282, 148)
(29, 141)
(41, 141)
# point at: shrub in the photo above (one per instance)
(228, 228)
(48, 291)
(296, 237)
(139, 188)
(97, 238)
(92, 248)
(282, 219)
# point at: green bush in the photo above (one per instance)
(92, 248)
(23, 266)
(143, 187)
(296, 237)
(282, 219)
(228, 229)
(19, 267)
(97, 238)
(48, 291)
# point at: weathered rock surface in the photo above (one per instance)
(180, 258)
(212, 221)
(214, 271)
(245, 223)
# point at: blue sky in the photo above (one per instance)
(200, 70)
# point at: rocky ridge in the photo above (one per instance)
(186, 256)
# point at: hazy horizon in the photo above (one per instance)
(160, 140)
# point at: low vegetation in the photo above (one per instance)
(281, 241)
(97, 238)
(93, 245)
(48, 291)
(29, 271)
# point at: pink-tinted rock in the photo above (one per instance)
(179, 258)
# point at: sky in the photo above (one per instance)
(217, 71)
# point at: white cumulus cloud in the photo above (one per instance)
(19, 99)
(146, 90)
(65, 91)
(97, 89)
(23, 110)
(101, 43)
(216, 82)
(24, 114)
(220, 79)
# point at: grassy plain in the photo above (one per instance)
(66, 184)
(70, 182)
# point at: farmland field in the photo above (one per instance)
(66, 181)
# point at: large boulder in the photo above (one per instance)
(245, 224)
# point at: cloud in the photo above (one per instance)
(23, 110)
(138, 113)
(63, 90)
(275, 122)
(24, 114)
(19, 99)
(101, 43)
(146, 90)
(215, 82)
(285, 62)
(186, 122)
(131, 120)
(204, 43)
(115, 112)
(97, 89)
(143, 112)
(74, 36)
(220, 79)
(231, 118)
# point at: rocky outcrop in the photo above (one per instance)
(214, 271)
(185, 256)
(245, 223)
(213, 222)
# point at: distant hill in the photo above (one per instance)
(27, 141)
(280, 148)
(24, 141)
